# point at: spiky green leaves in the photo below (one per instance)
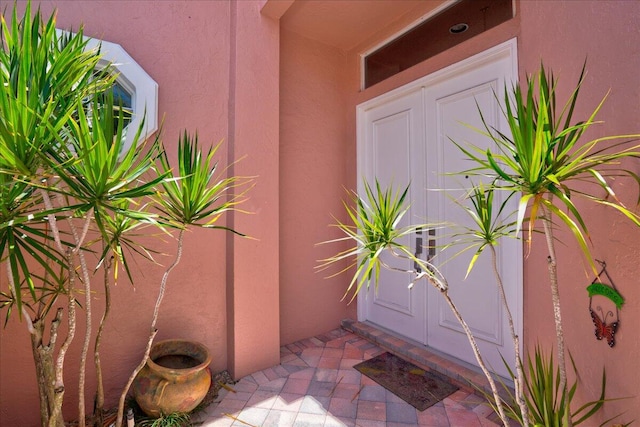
(375, 228)
(490, 222)
(43, 77)
(544, 156)
(198, 194)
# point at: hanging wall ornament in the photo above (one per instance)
(604, 304)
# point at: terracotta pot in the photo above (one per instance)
(175, 379)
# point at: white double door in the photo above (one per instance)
(405, 137)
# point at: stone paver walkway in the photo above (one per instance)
(316, 385)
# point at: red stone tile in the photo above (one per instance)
(329, 362)
(270, 374)
(315, 351)
(365, 380)
(458, 396)
(294, 348)
(370, 423)
(482, 411)
(244, 385)
(376, 411)
(317, 342)
(373, 352)
(239, 395)
(326, 375)
(262, 399)
(260, 378)
(332, 352)
(487, 423)
(295, 362)
(340, 407)
(352, 352)
(310, 360)
(350, 376)
(281, 371)
(288, 357)
(345, 390)
(288, 402)
(304, 374)
(462, 418)
(296, 386)
(434, 416)
(348, 363)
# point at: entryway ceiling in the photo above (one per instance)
(346, 24)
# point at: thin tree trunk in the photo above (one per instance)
(45, 369)
(438, 281)
(476, 352)
(98, 410)
(36, 343)
(555, 298)
(519, 380)
(54, 378)
(86, 278)
(153, 330)
(58, 385)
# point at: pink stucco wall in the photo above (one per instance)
(313, 171)
(215, 78)
(563, 34)
(287, 102)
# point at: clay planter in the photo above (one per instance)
(175, 379)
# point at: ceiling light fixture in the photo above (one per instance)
(458, 28)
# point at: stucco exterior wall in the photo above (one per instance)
(214, 78)
(313, 171)
(288, 103)
(563, 34)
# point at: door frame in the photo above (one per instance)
(500, 51)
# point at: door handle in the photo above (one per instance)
(418, 250)
(432, 244)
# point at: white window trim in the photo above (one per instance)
(134, 79)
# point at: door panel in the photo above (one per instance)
(406, 137)
(393, 130)
(452, 107)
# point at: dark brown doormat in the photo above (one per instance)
(414, 385)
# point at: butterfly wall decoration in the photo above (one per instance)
(605, 328)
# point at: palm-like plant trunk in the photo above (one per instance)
(555, 298)
(86, 278)
(153, 331)
(519, 380)
(58, 384)
(476, 352)
(435, 277)
(45, 368)
(98, 410)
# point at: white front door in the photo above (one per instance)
(405, 137)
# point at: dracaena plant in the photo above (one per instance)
(69, 188)
(488, 227)
(542, 159)
(44, 77)
(194, 194)
(375, 230)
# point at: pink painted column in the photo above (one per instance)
(253, 312)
